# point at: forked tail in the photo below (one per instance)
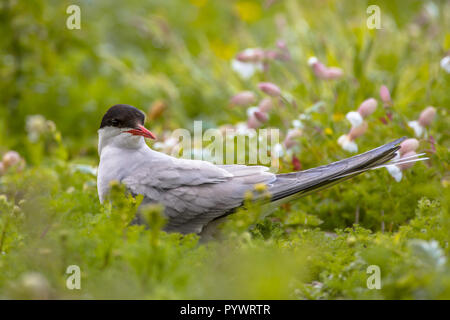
(297, 184)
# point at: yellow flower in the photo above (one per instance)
(248, 11)
(328, 131)
(223, 50)
(338, 116)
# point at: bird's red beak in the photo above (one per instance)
(142, 131)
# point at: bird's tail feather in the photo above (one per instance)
(297, 184)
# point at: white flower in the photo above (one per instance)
(246, 69)
(312, 61)
(243, 129)
(395, 172)
(445, 64)
(251, 111)
(297, 124)
(418, 129)
(354, 118)
(347, 144)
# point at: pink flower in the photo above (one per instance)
(319, 69)
(405, 166)
(406, 152)
(358, 131)
(385, 95)
(425, 119)
(269, 88)
(347, 141)
(243, 98)
(261, 116)
(265, 105)
(427, 116)
(323, 72)
(333, 73)
(247, 62)
(10, 159)
(252, 122)
(367, 107)
(291, 136)
(251, 55)
(408, 145)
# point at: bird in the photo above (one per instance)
(196, 194)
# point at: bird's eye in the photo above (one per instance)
(115, 122)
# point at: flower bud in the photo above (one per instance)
(427, 116)
(265, 105)
(333, 73)
(292, 134)
(250, 55)
(367, 107)
(408, 145)
(269, 88)
(358, 131)
(243, 98)
(252, 122)
(320, 70)
(385, 95)
(261, 116)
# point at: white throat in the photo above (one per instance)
(118, 138)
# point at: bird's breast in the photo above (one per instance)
(113, 166)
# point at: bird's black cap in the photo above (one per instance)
(123, 116)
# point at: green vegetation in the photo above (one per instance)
(172, 59)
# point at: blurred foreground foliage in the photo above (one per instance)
(178, 53)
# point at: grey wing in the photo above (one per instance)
(195, 192)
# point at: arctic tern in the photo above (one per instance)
(196, 193)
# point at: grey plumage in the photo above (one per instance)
(195, 193)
